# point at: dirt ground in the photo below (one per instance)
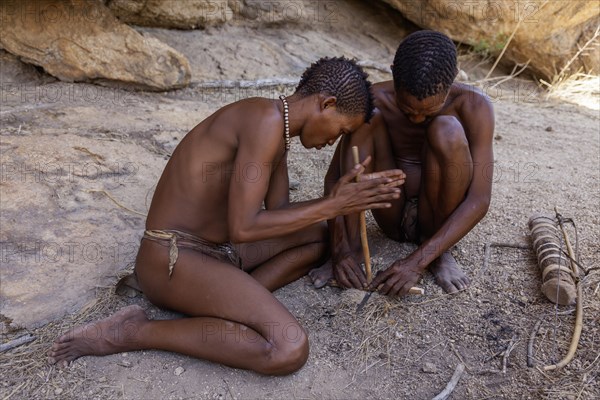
(547, 154)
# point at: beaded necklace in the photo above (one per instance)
(286, 121)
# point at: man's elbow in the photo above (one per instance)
(483, 205)
(238, 234)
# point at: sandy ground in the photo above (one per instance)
(62, 153)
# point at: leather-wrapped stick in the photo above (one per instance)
(557, 277)
(364, 241)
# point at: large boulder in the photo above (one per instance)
(188, 14)
(192, 14)
(83, 41)
(549, 35)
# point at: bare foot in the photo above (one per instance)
(107, 336)
(448, 274)
(322, 275)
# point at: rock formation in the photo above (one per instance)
(189, 14)
(83, 41)
(548, 35)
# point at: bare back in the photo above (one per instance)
(192, 194)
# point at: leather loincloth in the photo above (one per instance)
(176, 239)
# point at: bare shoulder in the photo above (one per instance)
(475, 112)
(257, 110)
(255, 119)
(383, 93)
(470, 99)
(259, 125)
(376, 123)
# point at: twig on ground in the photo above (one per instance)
(21, 340)
(456, 353)
(115, 201)
(509, 349)
(511, 245)
(15, 390)
(229, 389)
(460, 368)
(493, 356)
(534, 332)
(426, 351)
(486, 255)
(487, 252)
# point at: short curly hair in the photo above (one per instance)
(342, 78)
(425, 64)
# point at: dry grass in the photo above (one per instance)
(27, 374)
(582, 88)
(579, 88)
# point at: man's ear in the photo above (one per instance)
(328, 102)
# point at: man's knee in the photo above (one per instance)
(289, 354)
(445, 134)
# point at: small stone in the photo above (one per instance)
(102, 379)
(125, 364)
(179, 371)
(398, 335)
(549, 129)
(498, 137)
(58, 391)
(429, 368)
(130, 292)
(294, 184)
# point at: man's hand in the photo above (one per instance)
(348, 272)
(398, 278)
(375, 190)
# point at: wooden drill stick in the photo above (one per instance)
(364, 239)
(363, 227)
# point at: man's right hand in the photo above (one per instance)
(348, 272)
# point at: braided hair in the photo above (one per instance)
(342, 78)
(425, 64)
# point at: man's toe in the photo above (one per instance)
(318, 283)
